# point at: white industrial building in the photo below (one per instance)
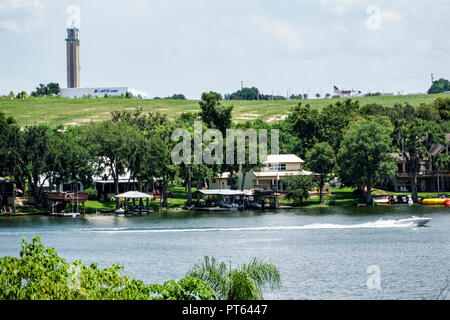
(93, 92)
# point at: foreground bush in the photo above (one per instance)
(243, 283)
(40, 274)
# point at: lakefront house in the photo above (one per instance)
(268, 177)
(427, 177)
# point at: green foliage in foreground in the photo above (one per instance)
(242, 283)
(40, 274)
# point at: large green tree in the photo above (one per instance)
(364, 159)
(43, 90)
(9, 134)
(213, 113)
(321, 161)
(298, 188)
(443, 107)
(68, 161)
(244, 94)
(415, 139)
(305, 125)
(334, 120)
(109, 144)
(439, 86)
(155, 157)
(441, 162)
(193, 173)
(33, 154)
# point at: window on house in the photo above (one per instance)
(277, 167)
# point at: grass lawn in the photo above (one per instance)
(338, 197)
(55, 111)
(346, 197)
(26, 210)
(420, 194)
(177, 201)
(92, 206)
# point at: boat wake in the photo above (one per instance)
(315, 226)
(376, 224)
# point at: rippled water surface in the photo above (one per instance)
(321, 253)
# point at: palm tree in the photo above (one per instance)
(243, 283)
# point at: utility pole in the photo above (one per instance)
(242, 85)
(432, 78)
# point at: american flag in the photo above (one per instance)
(336, 90)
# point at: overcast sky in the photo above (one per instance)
(179, 46)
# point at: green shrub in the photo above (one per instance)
(40, 274)
(92, 193)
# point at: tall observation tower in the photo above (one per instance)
(73, 58)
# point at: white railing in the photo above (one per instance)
(277, 169)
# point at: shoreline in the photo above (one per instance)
(339, 197)
(180, 210)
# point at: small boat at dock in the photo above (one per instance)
(66, 214)
(436, 202)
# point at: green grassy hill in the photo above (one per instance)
(63, 111)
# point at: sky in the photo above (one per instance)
(189, 47)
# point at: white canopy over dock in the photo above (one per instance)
(221, 192)
(134, 195)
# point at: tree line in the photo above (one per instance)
(344, 140)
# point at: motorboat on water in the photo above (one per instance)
(416, 221)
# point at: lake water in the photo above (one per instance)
(321, 253)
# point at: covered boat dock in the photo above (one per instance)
(126, 208)
(219, 199)
(60, 200)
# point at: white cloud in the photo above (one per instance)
(339, 27)
(21, 16)
(9, 25)
(424, 46)
(339, 10)
(390, 16)
(339, 7)
(283, 32)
